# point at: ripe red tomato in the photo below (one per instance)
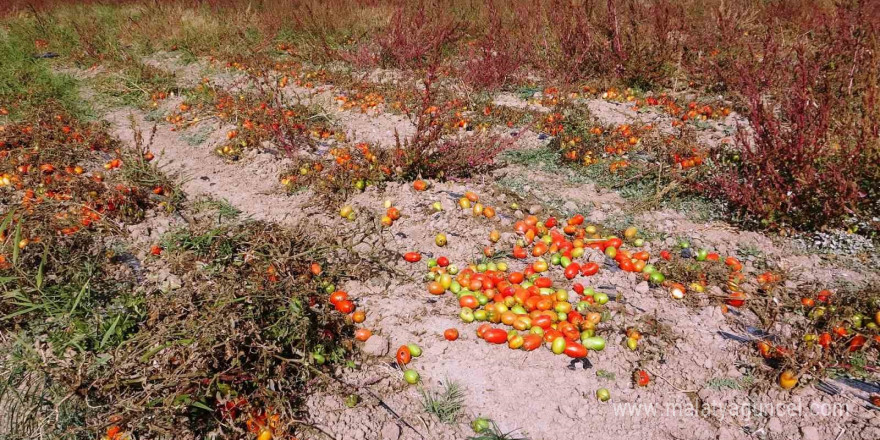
(578, 288)
(338, 296)
(412, 257)
(403, 355)
(641, 378)
(516, 277)
(443, 261)
(450, 334)
(345, 306)
(495, 336)
(436, 288)
(531, 342)
(469, 301)
(576, 220)
(614, 242)
(575, 350)
(589, 269)
(572, 270)
(551, 222)
(543, 282)
(736, 299)
(665, 255)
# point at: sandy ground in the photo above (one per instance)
(537, 393)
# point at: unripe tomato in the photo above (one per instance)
(411, 377)
(558, 345)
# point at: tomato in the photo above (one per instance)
(641, 378)
(482, 329)
(576, 220)
(362, 334)
(575, 350)
(345, 306)
(495, 336)
(808, 302)
(516, 277)
(614, 242)
(337, 297)
(443, 261)
(589, 269)
(558, 345)
(403, 355)
(572, 270)
(359, 316)
(412, 257)
(411, 377)
(824, 295)
(420, 185)
(857, 342)
(788, 380)
(450, 334)
(540, 265)
(736, 299)
(315, 268)
(435, 288)
(551, 222)
(531, 342)
(665, 255)
(469, 301)
(642, 255)
(550, 335)
(825, 340)
(543, 282)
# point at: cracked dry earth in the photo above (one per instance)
(539, 395)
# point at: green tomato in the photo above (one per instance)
(437, 206)
(536, 331)
(582, 306)
(483, 299)
(649, 269)
(588, 333)
(639, 242)
(330, 288)
(601, 298)
(360, 185)
(611, 252)
(481, 267)
(452, 269)
(558, 345)
(481, 315)
(319, 358)
(432, 263)
(684, 244)
(502, 266)
(702, 254)
(555, 259)
(455, 287)
(656, 277)
(596, 343)
(603, 394)
(589, 291)
(632, 343)
(577, 252)
(466, 314)
(411, 377)
(564, 261)
(414, 350)
(352, 400)
(480, 424)
(561, 316)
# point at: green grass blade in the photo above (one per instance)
(15, 248)
(42, 266)
(110, 331)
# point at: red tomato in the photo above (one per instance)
(495, 336)
(469, 301)
(713, 256)
(665, 255)
(551, 222)
(614, 242)
(338, 296)
(531, 342)
(825, 340)
(642, 255)
(412, 257)
(572, 270)
(589, 269)
(736, 299)
(516, 277)
(450, 334)
(403, 355)
(641, 378)
(857, 342)
(420, 185)
(345, 306)
(576, 220)
(443, 261)
(482, 329)
(575, 350)
(543, 282)
(519, 252)
(578, 288)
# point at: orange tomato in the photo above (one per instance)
(450, 334)
(362, 334)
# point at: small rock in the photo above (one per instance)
(643, 287)
(376, 346)
(535, 209)
(774, 425)
(390, 431)
(570, 206)
(810, 433)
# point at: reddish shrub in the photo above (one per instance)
(492, 59)
(416, 39)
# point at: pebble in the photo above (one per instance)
(376, 346)
(810, 433)
(535, 209)
(774, 425)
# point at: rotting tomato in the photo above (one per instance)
(641, 378)
(403, 355)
